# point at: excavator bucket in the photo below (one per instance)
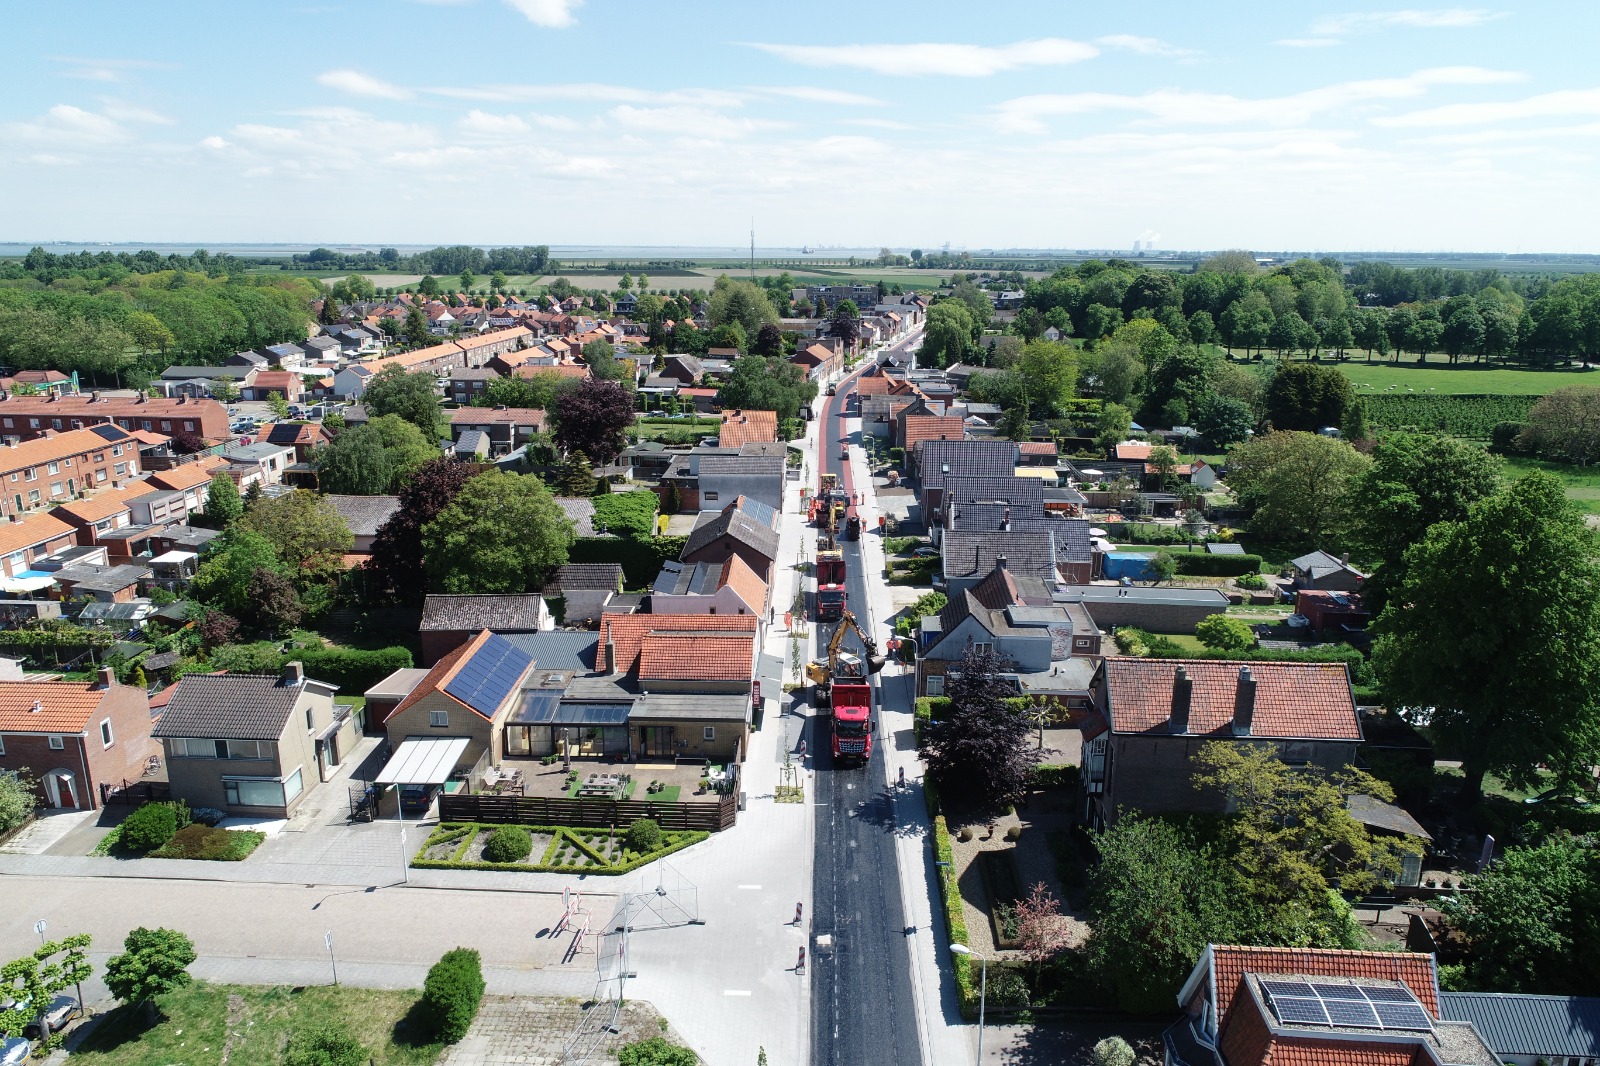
(875, 663)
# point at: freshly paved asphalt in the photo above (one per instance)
(862, 1009)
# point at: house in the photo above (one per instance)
(1050, 649)
(1332, 615)
(1527, 1030)
(1320, 570)
(22, 541)
(267, 383)
(192, 478)
(746, 528)
(1255, 1006)
(351, 381)
(26, 417)
(685, 369)
(184, 539)
(707, 588)
(471, 384)
(77, 741)
(102, 512)
(506, 428)
(746, 427)
(258, 462)
(108, 583)
(939, 459)
(995, 503)
(476, 351)
(586, 588)
(253, 744)
(449, 726)
(1156, 609)
(1053, 549)
(450, 621)
(705, 479)
(303, 437)
(198, 382)
(817, 360)
(364, 515)
(913, 429)
(158, 507)
(35, 382)
(56, 466)
(1156, 714)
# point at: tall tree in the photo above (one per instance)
(592, 418)
(743, 302)
(397, 552)
(1494, 636)
(1307, 396)
(416, 331)
(394, 391)
(223, 503)
(307, 532)
(223, 579)
(977, 751)
(502, 533)
(947, 336)
(1298, 483)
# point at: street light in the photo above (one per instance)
(400, 815)
(983, 993)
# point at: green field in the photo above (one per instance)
(1377, 378)
(1582, 482)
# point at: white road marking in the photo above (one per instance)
(735, 992)
(756, 888)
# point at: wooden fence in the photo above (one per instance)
(586, 813)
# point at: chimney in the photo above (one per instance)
(1000, 562)
(107, 678)
(1344, 558)
(1244, 703)
(611, 656)
(294, 674)
(1182, 691)
(37, 708)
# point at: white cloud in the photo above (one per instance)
(588, 92)
(816, 95)
(1561, 104)
(358, 84)
(555, 122)
(552, 14)
(66, 123)
(687, 122)
(483, 124)
(214, 143)
(122, 111)
(1307, 42)
(958, 60)
(108, 70)
(1444, 18)
(1145, 46)
(1026, 114)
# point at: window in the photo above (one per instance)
(710, 732)
(55, 488)
(105, 732)
(33, 497)
(53, 466)
(189, 425)
(57, 744)
(99, 457)
(116, 449)
(99, 475)
(439, 719)
(256, 791)
(33, 423)
(2, 745)
(709, 496)
(935, 684)
(67, 463)
(982, 648)
(121, 469)
(166, 426)
(291, 786)
(32, 473)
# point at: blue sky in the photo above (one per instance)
(997, 124)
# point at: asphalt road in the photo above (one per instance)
(861, 996)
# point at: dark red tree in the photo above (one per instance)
(185, 443)
(394, 573)
(591, 419)
(769, 340)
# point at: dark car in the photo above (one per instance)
(416, 799)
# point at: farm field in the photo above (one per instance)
(700, 278)
(1582, 483)
(1377, 378)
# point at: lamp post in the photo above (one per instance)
(400, 815)
(983, 993)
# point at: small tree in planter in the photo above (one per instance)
(1042, 932)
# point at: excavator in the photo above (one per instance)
(840, 690)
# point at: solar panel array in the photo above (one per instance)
(487, 678)
(1348, 1006)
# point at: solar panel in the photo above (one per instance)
(485, 680)
(1291, 1009)
(1407, 1016)
(1327, 991)
(1387, 994)
(1352, 1013)
(1287, 988)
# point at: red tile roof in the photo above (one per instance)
(188, 475)
(443, 671)
(932, 427)
(748, 427)
(1246, 1041)
(33, 530)
(626, 632)
(1310, 701)
(60, 444)
(102, 504)
(565, 370)
(1037, 447)
(64, 706)
(483, 416)
(674, 656)
(736, 574)
(1230, 963)
(1133, 451)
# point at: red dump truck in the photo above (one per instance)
(831, 595)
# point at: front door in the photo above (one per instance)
(61, 790)
(657, 741)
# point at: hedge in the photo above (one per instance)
(149, 827)
(452, 992)
(677, 840)
(1197, 565)
(950, 895)
(1047, 775)
(354, 670)
(1360, 668)
(640, 559)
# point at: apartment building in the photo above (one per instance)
(26, 417)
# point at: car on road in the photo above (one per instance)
(62, 1009)
(14, 1050)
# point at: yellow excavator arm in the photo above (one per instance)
(821, 671)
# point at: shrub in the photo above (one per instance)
(655, 1051)
(1047, 775)
(644, 836)
(149, 827)
(324, 1045)
(1114, 1051)
(205, 842)
(451, 993)
(509, 843)
(207, 815)
(1195, 564)
(1505, 438)
(17, 800)
(1007, 988)
(1223, 633)
(1251, 581)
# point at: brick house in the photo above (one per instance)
(74, 739)
(746, 427)
(23, 540)
(706, 588)
(252, 744)
(507, 428)
(1255, 1006)
(26, 417)
(449, 621)
(55, 467)
(939, 459)
(1154, 716)
(745, 527)
(1330, 573)
(284, 383)
(303, 437)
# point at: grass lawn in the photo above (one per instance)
(1443, 378)
(1582, 482)
(201, 1025)
(1187, 641)
(667, 795)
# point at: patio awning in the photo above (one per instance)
(422, 761)
(27, 581)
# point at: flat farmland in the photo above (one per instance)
(1376, 377)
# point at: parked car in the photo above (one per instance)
(416, 799)
(14, 1050)
(62, 1009)
(926, 553)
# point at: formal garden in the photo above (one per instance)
(550, 849)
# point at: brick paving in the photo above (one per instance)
(521, 1031)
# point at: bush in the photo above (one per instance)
(509, 843)
(1007, 989)
(1223, 633)
(1047, 775)
(200, 841)
(1505, 438)
(655, 1051)
(644, 836)
(1251, 581)
(451, 994)
(1114, 1051)
(1195, 564)
(324, 1045)
(17, 801)
(149, 827)
(640, 559)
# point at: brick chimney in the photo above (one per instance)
(294, 674)
(1182, 692)
(105, 677)
(611, 656)
(1000, 562)
(1244, 703)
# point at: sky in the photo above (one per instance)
(1051, 124)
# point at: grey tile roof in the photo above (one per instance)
(95, 578)
(558, 649)
(580, 510)
(364, 514)
(228, 707)
(605, 577)
(1319, 564)
(1535, 1026)
(496, 613)
(750, 465)
(956, 458)
(970, 554)
(738, 524)
(1024, 495)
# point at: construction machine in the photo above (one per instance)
(840, 690)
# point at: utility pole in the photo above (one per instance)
(752, 247)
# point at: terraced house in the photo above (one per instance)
(55, 467)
